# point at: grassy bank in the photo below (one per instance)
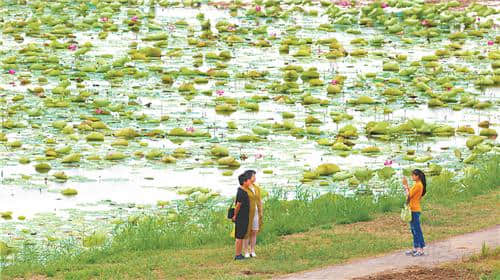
(300, 234)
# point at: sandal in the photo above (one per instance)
(418, 254)
(410, 252)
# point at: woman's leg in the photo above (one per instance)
(418, 232)
(253, 240)
(413, 232)
(245, 246)
(238, 243)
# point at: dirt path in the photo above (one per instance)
(453, 249)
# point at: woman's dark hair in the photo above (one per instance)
(243, 178)
(250, 172)
(421, 176)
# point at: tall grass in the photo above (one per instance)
(449, 189)
(281, 217)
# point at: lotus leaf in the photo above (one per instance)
(168, 159)
(71, 158)
(386, 172)
(15, 144)
(470, 158)
(370, 150)
(225, 108)
(348, 131)
(219, 151)
(229, 162)
(247, 138)
(363, 100)
(423, 159)
(60, 175)
(313, 130)
(95, 136)
(260, 130)
(154, 153)
(339, 146)
(341, 176)
(377, 128)
(390, 66)
(120, 142)
(69, 192)
(333, 89)
(127, 133)
(42, 167)
(115, 156)
(473, 141)
(6, 215)
(310, 175)
(327, 169)
(443, 130)
(482, 148)
(488, 132)
(363, 175)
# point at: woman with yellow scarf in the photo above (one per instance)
(255, 216)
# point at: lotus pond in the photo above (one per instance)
(112, 109)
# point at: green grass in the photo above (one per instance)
(300, 234)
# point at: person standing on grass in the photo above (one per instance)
(414, 195)
(256, 224)
(242, 212)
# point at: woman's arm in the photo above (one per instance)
(236, 210)
(407, 190)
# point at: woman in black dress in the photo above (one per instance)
(241, 213)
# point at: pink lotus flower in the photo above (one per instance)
(334, 82)
(134, 18)
(190, 129)
(384, 5)
(99, 111)
(478, 19)
(72, 47)
(490, 43)
(104, 19)
(388, 162)
(257, 8)
(344, 3)
(425, 22)
(12, 71)
(231, 28)
(219, 92)
(448, 88)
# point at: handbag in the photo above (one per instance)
(230, 212)
(406, 214)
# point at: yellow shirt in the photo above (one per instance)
(415, 196)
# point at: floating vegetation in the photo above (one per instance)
(69, 192)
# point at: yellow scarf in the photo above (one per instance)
(251, 198)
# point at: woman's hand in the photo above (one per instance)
(234, 218)
(405, 182)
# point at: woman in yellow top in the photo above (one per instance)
(414, 195)
(255, 224)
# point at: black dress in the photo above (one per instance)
(242, 218)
